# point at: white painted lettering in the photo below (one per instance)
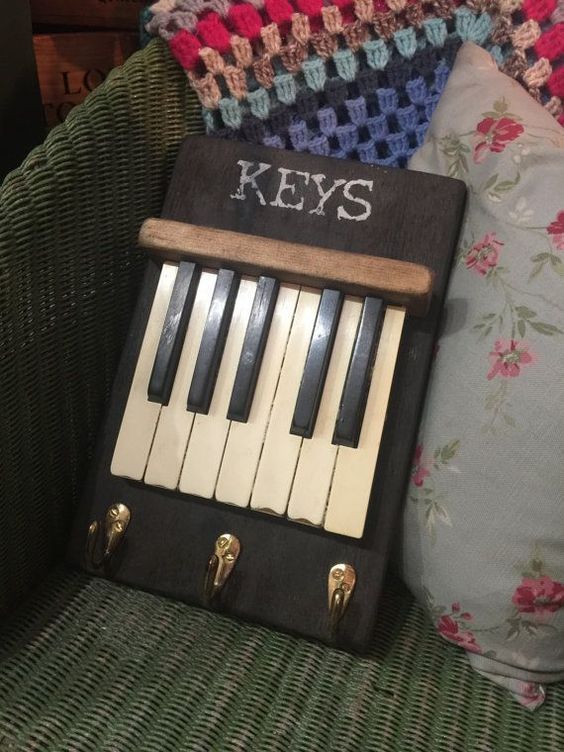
(248, 178)
(291, 187)
(324, 195)
(343, 213)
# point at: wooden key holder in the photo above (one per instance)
(309, 220)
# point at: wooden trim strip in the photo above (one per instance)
(397, 282)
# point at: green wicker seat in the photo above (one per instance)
(89, 665)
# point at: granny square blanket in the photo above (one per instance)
(350, 78)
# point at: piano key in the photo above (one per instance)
(213, 341)
(312, 482)
(175, 421)
(245, 440)
(355, 468)
(209, 431)
(355, 392)
(317, 362)
(279, 457)
(173, 332)
(140, 416)
(253, 349)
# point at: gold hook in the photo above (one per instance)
(340, 585)
(116, 523)
(220, 565)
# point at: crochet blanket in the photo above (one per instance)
(350, 78)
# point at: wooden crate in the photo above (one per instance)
(115, 14)
(70, 66)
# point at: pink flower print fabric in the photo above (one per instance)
(539, 596)
(508, 358)
(483, 256)
(450, 630)
(419, 471)
(483, 526)
(556, 231)
(453, 629)
(493, 134)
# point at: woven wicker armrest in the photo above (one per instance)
(68, 220)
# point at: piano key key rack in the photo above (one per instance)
(262, 421)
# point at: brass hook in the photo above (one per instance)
(341, 582)
(220, 565)
(116, 523)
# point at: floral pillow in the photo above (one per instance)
(483, 534)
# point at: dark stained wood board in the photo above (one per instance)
(281, 576)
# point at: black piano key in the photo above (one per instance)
(317, 363)
(173, 333)
(213, 341)
(357, 382)
(253, 349)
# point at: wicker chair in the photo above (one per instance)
(89, 665)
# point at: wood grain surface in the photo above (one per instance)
(71, 65)
(114, 14)
(400, 282)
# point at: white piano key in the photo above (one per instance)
(175, 421)
(209, 432)
(245, 440)
(312, 482)
(355, 468)
(140, 416)
(281, 449)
